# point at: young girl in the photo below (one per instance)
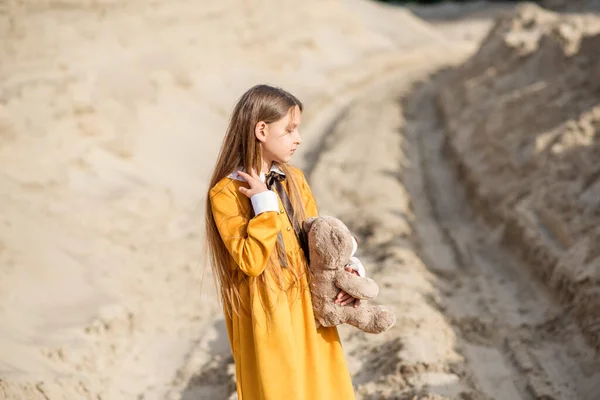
(258, 259)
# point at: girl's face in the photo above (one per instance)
(280, 138)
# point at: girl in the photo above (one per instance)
(258, 259)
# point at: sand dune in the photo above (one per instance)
(111, 115)
(522, 115)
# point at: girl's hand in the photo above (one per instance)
(256, 185)
(344, 298)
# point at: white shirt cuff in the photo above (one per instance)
(265, 201)
(356, 265)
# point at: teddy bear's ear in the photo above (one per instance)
(308, 223)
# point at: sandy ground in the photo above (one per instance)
(111, 114)
(474, 322)
(531, 163)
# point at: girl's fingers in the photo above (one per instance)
(244, 175)
(342, 294)
(248, 177)
(253, 180)
(244, 190)
(346, 299)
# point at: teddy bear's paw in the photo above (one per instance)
(383, 319)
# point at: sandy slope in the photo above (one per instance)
(523, 116)
(473, 322)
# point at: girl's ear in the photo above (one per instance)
(260, 131)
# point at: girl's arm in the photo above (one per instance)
(249, 241)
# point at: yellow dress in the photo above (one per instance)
(278, 352)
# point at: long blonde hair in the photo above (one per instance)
(241, 148)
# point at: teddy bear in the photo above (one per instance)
(330, 247)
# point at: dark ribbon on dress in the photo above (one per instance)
(274, 180)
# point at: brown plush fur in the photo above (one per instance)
(330, 246)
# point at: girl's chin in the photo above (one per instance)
(285, 159)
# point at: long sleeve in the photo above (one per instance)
(250, 242)
(264, 201)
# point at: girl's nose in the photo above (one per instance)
(298, 138)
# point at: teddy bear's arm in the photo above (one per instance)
(355, 286)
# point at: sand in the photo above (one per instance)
(532, 162)
(111, 115)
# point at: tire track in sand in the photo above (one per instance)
(503, 314)
(472, 323)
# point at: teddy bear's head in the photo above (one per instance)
(329, 241)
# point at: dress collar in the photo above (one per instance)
(236, 176)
